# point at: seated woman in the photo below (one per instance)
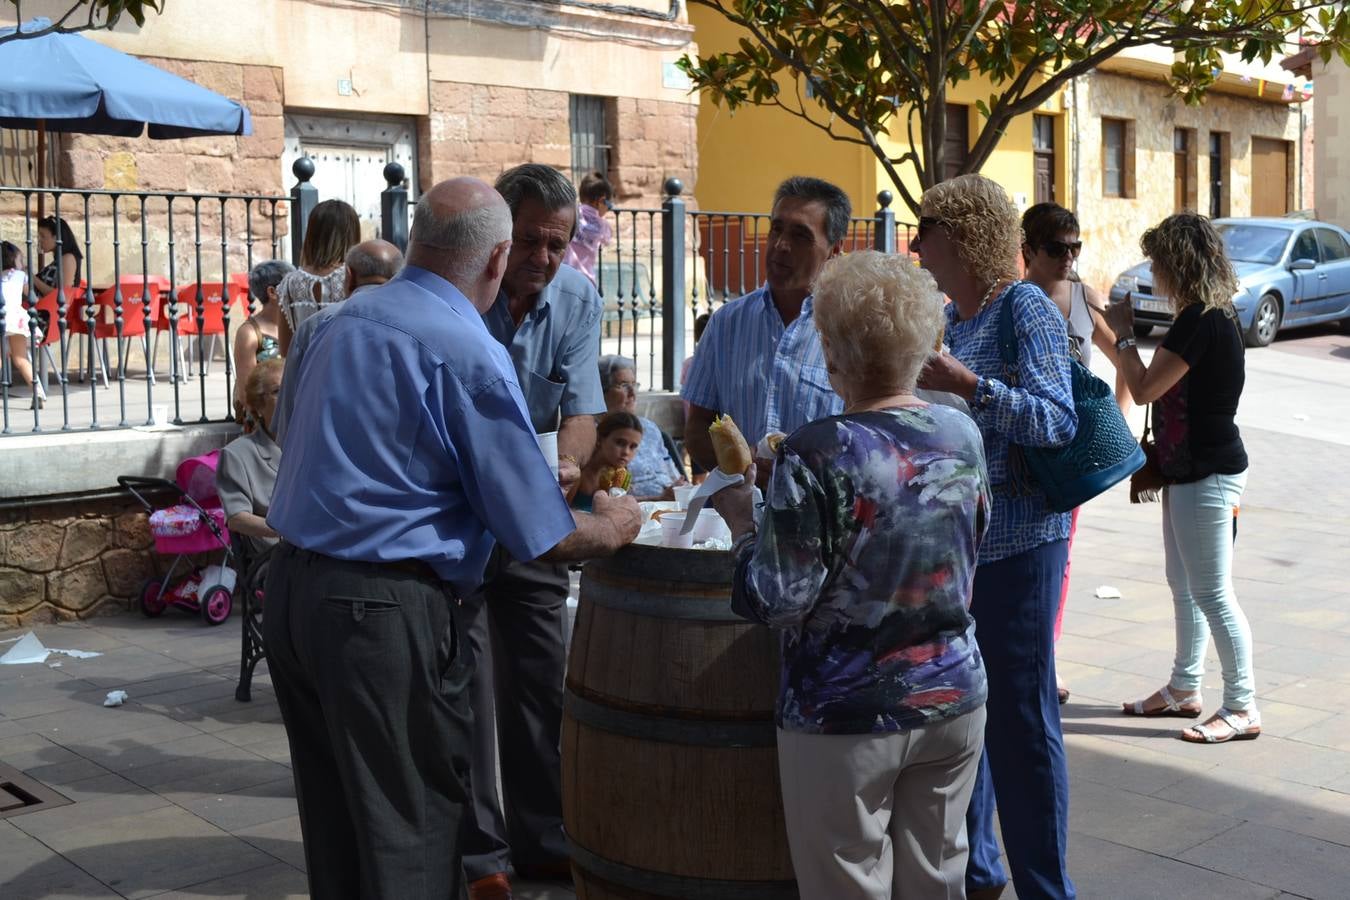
(655, 468)
(63, 272)
(864, 558)
(247, 471)
(256, 339)
(617, 439)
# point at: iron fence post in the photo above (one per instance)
(394, 208)
(884, 239)
(672, 284)
(304, 197)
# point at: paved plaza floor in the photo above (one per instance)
(184, 792)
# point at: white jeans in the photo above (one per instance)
(1198, 543)
(877, 816)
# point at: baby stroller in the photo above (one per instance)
(196, 524)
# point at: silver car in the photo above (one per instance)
(1290, 273)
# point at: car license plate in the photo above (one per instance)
(1153, 306)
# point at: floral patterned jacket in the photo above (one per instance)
(865, 559)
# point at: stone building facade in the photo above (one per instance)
(445, 88)
(475, 87)
(1214, 159)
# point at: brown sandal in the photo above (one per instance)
(1170, 709)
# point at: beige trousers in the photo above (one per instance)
(881, 815)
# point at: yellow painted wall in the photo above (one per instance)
(743, 156)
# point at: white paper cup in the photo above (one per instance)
(682, 494)
(710, 526)
(671, 523)
(548, 445)
(159, 414)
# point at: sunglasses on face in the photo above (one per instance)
(631, 387)
(1058, 249)
(927, 224)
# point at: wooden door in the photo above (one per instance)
(1270, 177)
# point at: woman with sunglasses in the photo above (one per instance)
(969, 239)
(1050, 248)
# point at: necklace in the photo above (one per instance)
(984, 301)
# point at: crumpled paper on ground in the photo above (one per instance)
(29, 649)
(115, 698)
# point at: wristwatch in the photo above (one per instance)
(1127, 341)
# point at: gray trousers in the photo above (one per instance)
(515, 626)
(881, 816)
(372, 683)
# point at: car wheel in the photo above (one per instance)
(1265, 322)
(1142, 331)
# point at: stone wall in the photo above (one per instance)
(1332, 187)
(481, 130)
(65, 562)
(1112, 226)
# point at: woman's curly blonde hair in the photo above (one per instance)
(982, 221)
(1189, 258)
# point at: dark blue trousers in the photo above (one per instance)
(1023, 770)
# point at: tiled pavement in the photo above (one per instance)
(183, 792)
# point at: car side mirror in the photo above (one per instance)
(1302, 265)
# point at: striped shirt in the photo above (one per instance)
(768, 377)
(1038, 411)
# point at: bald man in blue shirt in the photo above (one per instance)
(396, 482)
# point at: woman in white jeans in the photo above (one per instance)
(1194, 381)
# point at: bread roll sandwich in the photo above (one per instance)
(733, 453)
(614, 477)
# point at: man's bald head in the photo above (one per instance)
(460, 228)
(372, 262)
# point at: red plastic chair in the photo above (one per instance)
(51, 330)
(214, 296)
(138, 292)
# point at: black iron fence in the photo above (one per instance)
(146, 265)
(167, 265)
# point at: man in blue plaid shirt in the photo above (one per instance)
(760, 359)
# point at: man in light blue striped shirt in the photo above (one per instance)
(760, 359)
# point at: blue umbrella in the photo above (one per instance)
(65, 82)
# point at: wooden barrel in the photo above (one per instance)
(670, 768)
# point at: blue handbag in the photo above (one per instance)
(1103, 451)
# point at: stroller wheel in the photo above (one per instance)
(216, 604)
(152, 597)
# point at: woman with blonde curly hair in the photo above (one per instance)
(863, 559)
(969, 238)
(1195, 380)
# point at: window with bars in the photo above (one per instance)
(590, 143)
